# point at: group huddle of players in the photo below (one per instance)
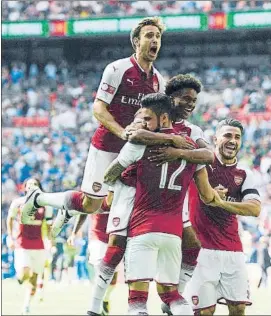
(148, 175)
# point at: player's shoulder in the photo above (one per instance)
(17, 202)
(192, 126)
(120, 65)
(244, 171)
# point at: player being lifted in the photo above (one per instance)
(123, 84)
(155, 228)
(29, 253)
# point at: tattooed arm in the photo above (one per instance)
(113, 172)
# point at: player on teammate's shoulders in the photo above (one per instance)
(221, 271)
(155, 227)
(27, 242)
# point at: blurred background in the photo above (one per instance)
(53, 56)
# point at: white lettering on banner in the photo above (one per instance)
(245, 19)
(183, 22)
(23, 29)
(92, 26)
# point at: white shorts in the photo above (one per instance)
(153, 256)
(121, 209)
(34, 259)
(218, 275)
(97, 162)
(186, 220)
(97, 250)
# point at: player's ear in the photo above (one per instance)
(164, 118)
(215, 139)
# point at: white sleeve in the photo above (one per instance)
(162, 83)
(13, 209)
(49, 210)
(130, 153)
(110, 82)
(199, 167)
(197, 133)
(249, 191)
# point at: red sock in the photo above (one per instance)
(74, 201)
(170, 297)
(190, 256)
(113, 256)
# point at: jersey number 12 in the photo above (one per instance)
(174, 175)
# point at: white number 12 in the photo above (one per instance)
(174, 175)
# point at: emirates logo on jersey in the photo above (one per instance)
(155, 84)
(195, 299)
(116, 221)
(238, 180)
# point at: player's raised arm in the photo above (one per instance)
(129, 154)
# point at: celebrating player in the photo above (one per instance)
(29, 253)
(221, 271)
(155, 226)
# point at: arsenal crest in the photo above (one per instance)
(116, 221)
(155, 84)
(96, 186)
(195, 299)
(238, 180)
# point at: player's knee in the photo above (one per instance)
(27, 273)
(208, 311)
(91, 205)
(138, 286)
(168, 294)
(190, 239)
(117, 241)
(238, 309)
(34, 279)
(109, 198)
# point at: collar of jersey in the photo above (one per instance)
(136, 64)
(227, 165)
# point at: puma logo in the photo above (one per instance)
(105, 280)
(130, 80)
(189, 275)
(114, 68)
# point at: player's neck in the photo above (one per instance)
(167, 125)
(144, 64)
(225, 161)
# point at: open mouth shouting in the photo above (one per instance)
(153, 51)
(230, 148)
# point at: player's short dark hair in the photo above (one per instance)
(182, 81)
(159, 103)
(230, 122)
(154, 20)
(32, 178)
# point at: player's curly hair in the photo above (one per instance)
(155, 20)
(159, 103)
(32, 178)
(182, 81)
(230, 122)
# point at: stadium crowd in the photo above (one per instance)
(25, 10)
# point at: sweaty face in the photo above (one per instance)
(30, 183)
(149, 42)
(148, 117)
(228, 141)
(185, 102)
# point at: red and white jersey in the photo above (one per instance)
(122, 87)
(160, 191)
(186, 128)
(29, 236)
(98, 224)
(216, 228)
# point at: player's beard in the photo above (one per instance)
(227, 156)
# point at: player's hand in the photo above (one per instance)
(222, 191)
(125, 135)
(10, 243)
(182, 142)
(136, 125)
(71, 240)
(217, 201)
(165, 154)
